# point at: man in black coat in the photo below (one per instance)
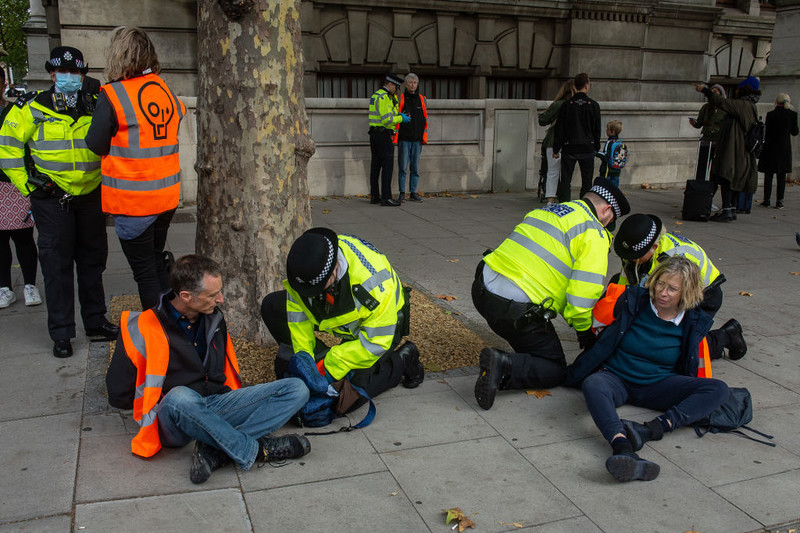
(776, 158)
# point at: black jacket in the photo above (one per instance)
(206, 376)
(578, 126)
(780, 125)
(412, 131)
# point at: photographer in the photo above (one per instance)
(62, 179)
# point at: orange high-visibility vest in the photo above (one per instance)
(147, 347)
(141, 173)
(603, 315)
(424, 113)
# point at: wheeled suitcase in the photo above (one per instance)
(697, 200)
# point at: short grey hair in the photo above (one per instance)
(412, 76)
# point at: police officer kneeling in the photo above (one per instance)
(345, 286)
(554, 262)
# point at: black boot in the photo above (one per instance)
(725, 215)
(413, 371)
(205, 460)
(638, 433)
(271, 449)
(495, 368)
(627, 466)
(736, 344)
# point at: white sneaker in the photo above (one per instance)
(32, 296)
(7, 297)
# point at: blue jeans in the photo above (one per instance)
(408, 157)
(684, 399)
(232, 421)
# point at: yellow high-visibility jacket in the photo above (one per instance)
(670, 245)
(383, 110)
(561, 252)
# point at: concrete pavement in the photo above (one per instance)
(66, 461)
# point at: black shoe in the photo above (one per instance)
(62, 349)
(495, 366)
(414, 197)
(389, 202)
(627, 466)
(724, 215)
(765, 203)
(779, 204)
(637, 433)
(375, 200)
(107, 332)
(205, 460)
(271, 449)
(413, 371)
(737, 346)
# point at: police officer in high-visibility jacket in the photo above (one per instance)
(642, 244)
(343, 285)
(553, 263)
(62, 178)
(383, 117)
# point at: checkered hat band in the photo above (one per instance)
(608, 197)
(327, 270)
(647, 240)
(55, 61)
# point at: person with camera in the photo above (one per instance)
(43, 151)
(554, 262)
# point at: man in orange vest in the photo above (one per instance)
(175, 366)
(410, 137)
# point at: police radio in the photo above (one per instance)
(59, 102)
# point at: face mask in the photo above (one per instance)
(68, 82)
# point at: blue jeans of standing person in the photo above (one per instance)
(684, 399)
(232, 421)
(408, 157)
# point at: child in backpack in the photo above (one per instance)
(613, 154)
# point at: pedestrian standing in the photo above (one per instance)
(410, 137)
(776, 158)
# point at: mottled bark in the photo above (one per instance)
(252, 151)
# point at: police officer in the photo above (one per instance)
(383, 117)
(62, 179)
(345, 286)
(642, 244)
(554, 262)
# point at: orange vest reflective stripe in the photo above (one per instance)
(603, 315)
(147, 347)
(141, 173)
(424, 112)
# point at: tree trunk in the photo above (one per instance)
(252, 149)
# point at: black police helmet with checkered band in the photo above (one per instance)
(66, 57)
(311, 260)
(636, 235)
(611, 194)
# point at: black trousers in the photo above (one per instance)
(145, 255)
(538, 361)
(781, 185)
(385, 374)
(586, 163)
(26, 255)
(72, 232)
(380, 144)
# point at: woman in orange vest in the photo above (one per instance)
(135, 131)
(649, 357)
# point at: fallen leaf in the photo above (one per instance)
(452, 260)
(442, 381)
(432, 367)
(745, 293)
(361, 195)
(446, 297)
(538, 393)
(515, 524)
(326, 211)
(457, 514)
(474, 196)
(795, 273)
(678, 223)
(395, 493)
(646, 186)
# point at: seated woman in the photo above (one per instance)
(649, 357)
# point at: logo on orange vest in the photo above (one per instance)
(157, 107)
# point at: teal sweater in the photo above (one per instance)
(641, 360)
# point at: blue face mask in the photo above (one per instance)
(68, 82)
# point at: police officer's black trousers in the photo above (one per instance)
(72, 232)
(385, 374)
(539, 360)
(380, 144)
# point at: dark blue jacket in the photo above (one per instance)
(633, 301)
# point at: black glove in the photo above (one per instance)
(586, 339)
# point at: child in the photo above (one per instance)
(614, 153)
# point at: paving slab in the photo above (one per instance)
(675, 501)
(216, 510)
(485, 477)
(361, 503)
(42, 525)
(38, 457)
(769, 499)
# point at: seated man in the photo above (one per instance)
(642, 244)
(174, 365)
(343, 285)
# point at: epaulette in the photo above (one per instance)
(25, 98)
(363, 296)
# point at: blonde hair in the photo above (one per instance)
(614, 126)
(567, 90)
(692, 293)
(783, 100)
(131, 52)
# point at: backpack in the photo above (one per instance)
(615, 154)
(326, 401)
(754, 138)
(735, 413)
